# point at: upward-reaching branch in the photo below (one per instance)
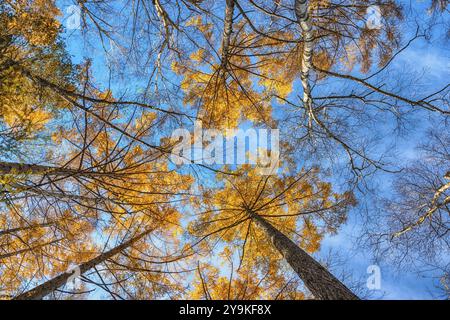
(434, 206)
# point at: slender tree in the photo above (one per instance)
(49, 286)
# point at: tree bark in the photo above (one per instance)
(227, 30)
(322, 284)
(10, 167)
(51, 285)
(301, 11)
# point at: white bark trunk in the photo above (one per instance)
(301, 11)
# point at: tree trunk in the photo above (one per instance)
(301, 11)
(322, 284)
(10, 167)
(51, 285)
(227, 30)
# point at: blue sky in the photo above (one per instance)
(432, 58)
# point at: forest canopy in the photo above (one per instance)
(232, 149)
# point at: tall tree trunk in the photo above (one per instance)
(227, 30)
(301, 11)
(322, 284)
(51, 285)
(10, 167)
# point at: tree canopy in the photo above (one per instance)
(88, 116)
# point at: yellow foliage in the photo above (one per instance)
(35, 21)
(296, 207)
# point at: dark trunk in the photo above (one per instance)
(322, 284)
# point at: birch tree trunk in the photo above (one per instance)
(227, 30)
(51, 285)
(322, 284)
(301, 11)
